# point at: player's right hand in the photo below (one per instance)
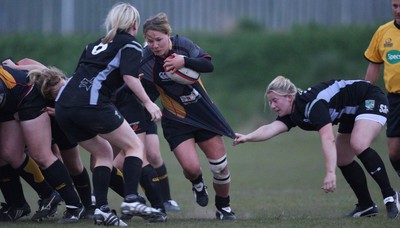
(238, 139)
(154, 111)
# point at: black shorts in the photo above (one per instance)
(3, 94)
(7, 114)
(393, 123)
(31, 106)
(374, 107)
(176, 132)
(83, 123)
(151, 128)
(151, 125)
(132, 110)
(59, 136)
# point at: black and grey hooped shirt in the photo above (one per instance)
(333, 101)
(100, 71)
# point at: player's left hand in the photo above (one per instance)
(174, 62)
(9, 63)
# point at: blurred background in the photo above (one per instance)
(251, 41)
(86, 16)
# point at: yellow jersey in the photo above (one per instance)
(385, 48)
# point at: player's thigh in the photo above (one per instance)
(12, 144)
(37, 135)
(187, 156)
(100, 150)
(363, 134)
(213, 148)
(345, 154)
(394, 148)
(125, 139)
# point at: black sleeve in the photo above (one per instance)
(287, 121)
(201, 65)
(319, 115)
(150, 89)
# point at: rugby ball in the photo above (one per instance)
(185, 76)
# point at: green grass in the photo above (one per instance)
(275, 184)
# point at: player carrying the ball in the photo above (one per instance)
(189, 116)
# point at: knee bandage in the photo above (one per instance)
(219, 168)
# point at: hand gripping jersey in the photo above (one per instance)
(187, 104)
(333, 101)
(100, 71)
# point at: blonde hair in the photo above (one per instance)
(48, 80)
(121, 17)
(281, 86)
(158, 23)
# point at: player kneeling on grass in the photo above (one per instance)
(359, 108)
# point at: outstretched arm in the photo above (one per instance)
(263, 133)
(24, 64)
(330, 155)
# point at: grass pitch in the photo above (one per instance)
(274, 184)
